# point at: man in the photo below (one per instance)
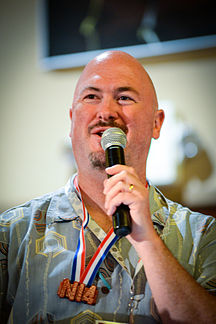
(164, 271)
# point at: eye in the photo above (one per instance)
(125, 100)
(91, 97)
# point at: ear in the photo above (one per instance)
(158, 122)
(70, 113)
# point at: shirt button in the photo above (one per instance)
(105, 290)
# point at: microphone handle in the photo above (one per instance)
(121, 218)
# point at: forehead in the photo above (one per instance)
(104, 76)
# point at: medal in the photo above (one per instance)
(78, 292)
(80, 287)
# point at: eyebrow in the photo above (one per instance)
(90, 88)
(120, 89)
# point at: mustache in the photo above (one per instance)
(110, 123)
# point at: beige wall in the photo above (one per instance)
(34, 121)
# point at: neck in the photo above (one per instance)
(91, 187)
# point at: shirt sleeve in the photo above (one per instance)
(4, 307)
(5, 226)
(206, 260)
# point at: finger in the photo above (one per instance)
(123, 176)
(122, 198)
(117, 168)
(120, 186)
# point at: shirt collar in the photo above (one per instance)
(66, 204)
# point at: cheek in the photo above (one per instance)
(140, 135)
(82, 115)
(79, 128)
(76, 130)
(78, 120)
(142, 126)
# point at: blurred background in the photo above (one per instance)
(37, 81)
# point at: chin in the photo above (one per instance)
(97, 160)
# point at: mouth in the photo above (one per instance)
(99, 128)
(98, 131)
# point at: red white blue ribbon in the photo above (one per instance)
(79, 273)
(79, 258)
(91, 270)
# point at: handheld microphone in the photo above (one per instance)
(113, 142)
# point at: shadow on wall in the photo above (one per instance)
(195, 166)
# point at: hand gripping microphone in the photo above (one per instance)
(113, 142)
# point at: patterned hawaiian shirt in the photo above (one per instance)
(38, 241)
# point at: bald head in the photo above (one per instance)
(109, 61)
(117, 57)
(114, 90)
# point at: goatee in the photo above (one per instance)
(97, 160)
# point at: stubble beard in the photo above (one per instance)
(97, 160)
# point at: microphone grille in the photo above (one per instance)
(113, 136)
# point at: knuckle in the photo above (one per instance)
(124, 174)
(131, 170)
(120, 183)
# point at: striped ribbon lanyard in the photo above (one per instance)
(80, 288)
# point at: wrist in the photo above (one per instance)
(146, 242)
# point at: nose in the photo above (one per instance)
(107, 110)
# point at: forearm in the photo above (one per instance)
(179, 298)
(177, 295)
